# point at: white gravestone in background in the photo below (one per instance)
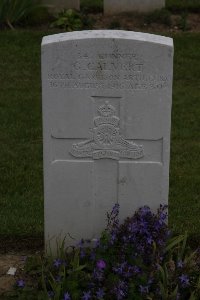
(106, 124)
(121, 6)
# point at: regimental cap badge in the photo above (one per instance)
(107, 142)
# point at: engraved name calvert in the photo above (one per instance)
(108, 71)
(107, 141)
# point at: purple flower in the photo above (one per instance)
(88, 241)
(180, 264)
(57, 263)
(101, 264)
(124, 269)
(163, 216)
(91, 285)
(21, 283)
(145, 210)
(115, 209)
(97, 243)
(119, 269)
(144, 289)
(67, 296)
(100, 293)
(168, 233)
(113, 237)
(136, 269)
(92, 255)
(82, 253)
(120, 290)
(150, 281)
(58, 278)
(160, 242)
(98, 274)
(86, 295)
(80, 243)
(184, 279)
(149, 240)
(50, 294)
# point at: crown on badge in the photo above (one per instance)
(106, 110)
(107, 116)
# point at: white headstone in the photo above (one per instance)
(59, 5)
(106, 123)
(121, 6)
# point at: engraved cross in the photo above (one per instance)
(113, 159)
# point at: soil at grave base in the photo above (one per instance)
(13, 250)
(7, 282)
(9, 244)
(136, 22)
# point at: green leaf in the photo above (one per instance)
(174, 242)
(12, 11)
(183, 246)
(193, 297)
(173, 296)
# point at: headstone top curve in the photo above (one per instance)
(107, 34)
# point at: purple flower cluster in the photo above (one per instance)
(124, 251)
(67, 296)
(129, 261)
(120, 290)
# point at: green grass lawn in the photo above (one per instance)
(184, 208)
(21, 202)
(21, 188)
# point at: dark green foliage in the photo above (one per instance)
(37, 17)
(13, 11)
(115, 25)
(162, 16)
(71, 20)
(21, 188)
(92, 6)
(183, 22)
(185, 137)
(178, 6)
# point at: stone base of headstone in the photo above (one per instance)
(121, 6)
(58, 5)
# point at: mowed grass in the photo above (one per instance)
(21, 200)
(21, 169)
(184, 208)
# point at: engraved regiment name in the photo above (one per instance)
(106, 141)
(108, 71)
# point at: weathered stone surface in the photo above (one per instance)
(119, 6)
(58, 5)
(106, 123)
